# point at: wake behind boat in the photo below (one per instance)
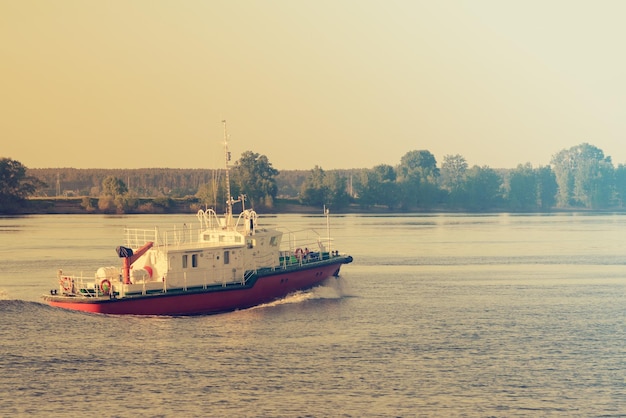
(222, 264)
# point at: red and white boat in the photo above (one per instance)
(221, 264)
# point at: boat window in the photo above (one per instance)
(194, 260)
(185, 261)
(274, 241)
(251, 243)
(226, 257)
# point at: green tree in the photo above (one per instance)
(254, 175)
(522, 193)
(594, 183)
(452, 178)
(313, 191)
(377, 186)
(417, 176)
(113, 186)
(115, 196)
(482, 188)
(620, 185)
(336, 191)
(289, 182)
(453, 171)
(584, 176)
(322, 188)
(15, 185)
(546, 187)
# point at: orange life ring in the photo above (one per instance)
(105, 286)
(66, 283)
(299, 253)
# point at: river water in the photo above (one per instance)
(438, 315)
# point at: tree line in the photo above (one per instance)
(580, 177)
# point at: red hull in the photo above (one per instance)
(265, 289)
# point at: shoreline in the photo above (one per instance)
(76, 206)
(155, 206)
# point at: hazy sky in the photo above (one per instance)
(338, 84)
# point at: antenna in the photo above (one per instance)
(327, 214)
(229, 199)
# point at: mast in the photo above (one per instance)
(327, 214)
(229, 199)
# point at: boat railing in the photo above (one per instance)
(305, 241)
(182, 235)
(79, 285)
(289, 259)
(136, 237)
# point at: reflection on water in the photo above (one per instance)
(497, 315)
